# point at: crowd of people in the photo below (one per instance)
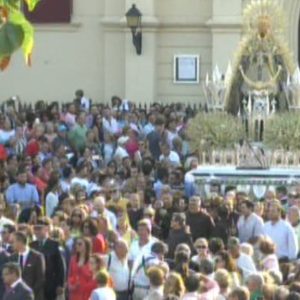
(100, 203)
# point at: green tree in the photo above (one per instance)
(15, 30)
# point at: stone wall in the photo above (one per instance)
(95, 51)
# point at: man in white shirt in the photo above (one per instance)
(249, 224)
(103, 292)
(281, 233)
(142, 245)
(121, 151)
(3, 219)
(84, 102)
(117, 266)
(140, 278)
(170, 156)
(110, 124)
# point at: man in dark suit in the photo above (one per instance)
(6, 234)
(17, 288)
(31, 263)
(178, 234)
(55, 265)
(157, 136)
(4, 258)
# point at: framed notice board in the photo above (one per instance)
(186, 69)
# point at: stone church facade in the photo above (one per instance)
(91, 48)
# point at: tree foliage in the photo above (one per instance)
(15, 30)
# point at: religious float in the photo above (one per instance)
(250, 135)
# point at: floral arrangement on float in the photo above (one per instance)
(282, 132)
(215, 131)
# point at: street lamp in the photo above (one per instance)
(134, 21)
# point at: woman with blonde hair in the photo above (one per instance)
(222, 277)
(201, 246)
(124, 229)
(174, 285)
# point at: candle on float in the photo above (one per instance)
(268, 103)
(249, 103)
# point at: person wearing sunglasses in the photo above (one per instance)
(201, 246)
(90, 229)
(76, 222)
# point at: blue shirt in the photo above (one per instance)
(190, 188)
(24, 195)
(158, 185)
(148, 128)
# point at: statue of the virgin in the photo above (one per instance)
(263, 62)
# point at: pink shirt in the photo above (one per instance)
(191, 296)
(212, 290)
(270, 262)
(70, 119)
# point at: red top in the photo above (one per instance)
(131, 147)
(80, 281)
(39, 183)
(3, 153)
(33, 148)
(99, 245)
